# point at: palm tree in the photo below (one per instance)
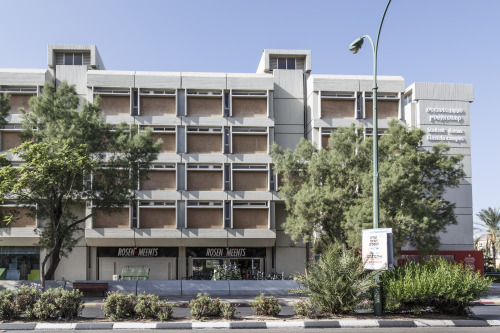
(490, 219)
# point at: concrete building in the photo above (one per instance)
(211, 196)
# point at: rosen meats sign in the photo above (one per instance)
(137, 252)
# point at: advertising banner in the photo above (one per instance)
(377, 249)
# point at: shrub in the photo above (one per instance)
(150, 306)
(25, 300)
(204, 306)
(435, 285)
(266, 306)
(55, 303)
(336, 283)
(304, 308)
(228, 310)
(118, 305)
(7, 308)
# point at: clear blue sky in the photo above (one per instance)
(454, 41)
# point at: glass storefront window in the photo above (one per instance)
(203, 268)
(19, 263)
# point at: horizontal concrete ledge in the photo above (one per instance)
(166, 288)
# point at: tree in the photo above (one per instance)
(63, 146)
(4, 109)
(490, 219)
(328, 192)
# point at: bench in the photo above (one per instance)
(91, 286)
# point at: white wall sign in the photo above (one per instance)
(377, 249)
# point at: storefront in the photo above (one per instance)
(19, 263)
(161, 261)
(202, 261)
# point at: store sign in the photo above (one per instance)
(377, 249)
(225, 252)
(137, 252)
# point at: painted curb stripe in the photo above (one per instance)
(493, 322)
(358, 323)
(196, 325)
(134, 326)
(396, 323)
(285, 324)
(94, 326)
(49, 326)
(18, 326)
(470, 323)
(248, 324)
(322, 324)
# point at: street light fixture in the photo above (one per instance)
(354, 48)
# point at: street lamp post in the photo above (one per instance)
(354, 48)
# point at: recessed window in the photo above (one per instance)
(286, 63)
(73, 58)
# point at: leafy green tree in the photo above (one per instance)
(490, 219)
(4, 109)
(328, 192)
(63, 147)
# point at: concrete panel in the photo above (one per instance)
(250, 122)
(249, 144)
(168, 140)
(19, 101)
(268, 287)
(216, 157)
(158, 80)
(461, 196)
(204, 107)
(23, 77)
(110, 79)
(157, 106)
(115, 105)
(288, 141)
(249, 158)
(290, 260)
(453, 136)
(10, 140)
(204, 81)
(160, 288)
(206, 218)
(120, 219)
(250, 218)
(158, 218)
(250, 195)
(293, 129)
(159, 180)
(204, 143)
(460, 234)
(126, 287)
(249, 107)
(159, 195)
(74, 75)
(280, 215)
(442, 91)
(443, 113)
(331, 108)
(237, 81)
(390, 84)
(67, 270)
(340, 83)
(250, 181)
(288, 84)
(216, 121)
(385, 109)
(213, 288)
(204, 180)
(289, 111)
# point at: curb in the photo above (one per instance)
(254, 325)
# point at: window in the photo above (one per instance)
(408, 98)
(73, 59)
(286, 63)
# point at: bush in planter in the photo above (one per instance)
(264, 306)
(150, 306)
(227, 310)
(118, 306)
(7, 308)
(204, 306)
(24, 301)
(336, 283)
(304, 308)
(434, 285)
(57, 303)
